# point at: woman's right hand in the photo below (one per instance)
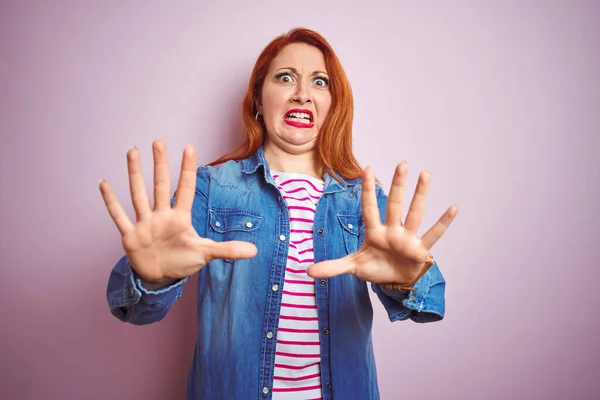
(163, 246)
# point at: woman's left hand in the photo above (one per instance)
(391, 252)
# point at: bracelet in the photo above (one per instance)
(400, 287)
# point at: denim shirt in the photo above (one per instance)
(239, 301)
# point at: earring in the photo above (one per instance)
(256, 116)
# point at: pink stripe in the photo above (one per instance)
(300, 389)
(306, 251)
(300, 378)
(301, 208)
(299, 282)
(290, 305)
(300, 231)
(296, 367)
(296, 271)
(304, 260)
(293, 330)
(298, 343)
(299, 318)
(299, 294)
(301, 241)
(301, 180)
(296, 355)
(299, 190)
(302, 220)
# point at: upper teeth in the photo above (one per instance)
(299, 115)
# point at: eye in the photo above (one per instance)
(284, 77)
(321, 81)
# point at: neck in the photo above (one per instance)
(284, 161)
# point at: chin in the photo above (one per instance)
(297, 145)
(301, 135)
(289, 137)
(302, 140)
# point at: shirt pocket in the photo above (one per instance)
(349, 223)
(227, 225)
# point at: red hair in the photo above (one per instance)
(334, 142)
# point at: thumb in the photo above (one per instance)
(233, 250)
(331, 268)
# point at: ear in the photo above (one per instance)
(258, 105)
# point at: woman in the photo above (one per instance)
(284, 232)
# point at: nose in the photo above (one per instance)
(301, 99)
(301, 95)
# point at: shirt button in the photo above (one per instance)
(265, 390)
(350, 226)
(320, 231)
(269, 335)
(275, 287)
(329, 385)
(326, 330)
(217, 224)
(249, 225)
(322, 283)
(282, 238)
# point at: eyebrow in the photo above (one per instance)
(294, 70)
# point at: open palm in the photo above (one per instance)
(391, 252)
(163, 245)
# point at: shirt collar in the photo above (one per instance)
(251, 164)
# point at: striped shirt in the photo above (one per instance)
(297, 372)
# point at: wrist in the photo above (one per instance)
(157, 285)
(153, 284)
(405, 287)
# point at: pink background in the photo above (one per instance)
(500, 101)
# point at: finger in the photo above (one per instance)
(396, 197)
(439, 228)
(186, 188)
(416, 210)
(115, 209)
(162, 181)
(233, 250)
(331, 268)
(137, 187)
(370, 210)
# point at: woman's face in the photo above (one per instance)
(295, 97)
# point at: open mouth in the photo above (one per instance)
(299, 118)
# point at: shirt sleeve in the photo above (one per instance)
(424, 304)
(130, 302)
(127, 299)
